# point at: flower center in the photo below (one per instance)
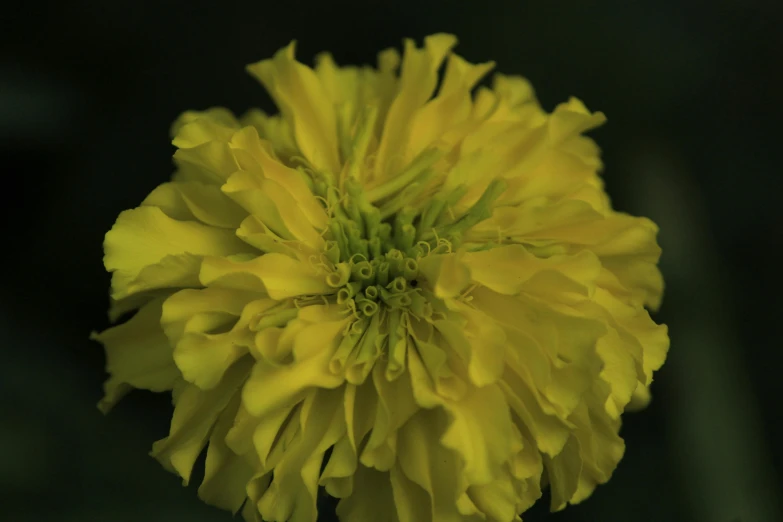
(375, 259)
(375, 237)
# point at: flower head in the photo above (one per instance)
(418, 298)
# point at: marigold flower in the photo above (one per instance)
(424, 304)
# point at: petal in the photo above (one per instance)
(195, 414)
(506, 269)
(480, 431)
(271, 387)
(170, 273)
(549, 432)
(274, 206)
(293, 491)
(395, 406)
(211, 162)
(619, 371)
(412, 502)
(145, 236)
(274, 129)
(181, 307)
(304, 102)
(447, 274)
(280, 276)
(138, 354)
(338, 475)
(564, 470)
(197, 127)
(418, 78)
(226, 474)
(192, 200)
(294, 182)
(431, 465)
(372, 498)
(449, 108)
(485, 340)
(572, 118)
(248, 190)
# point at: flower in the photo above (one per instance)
(424, 304)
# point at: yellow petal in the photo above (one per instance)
(485, 343)
(338, 474)
(226, 474)
(640, 398)
(194, 128)
(449, 108)
(506, 269)
(145, 236)
(254, 232)
(497, 500)
(372, 498)
(293, 491)
(480, 432)
(294, 183)
(619, 371)
(271, 387)
(194, 201)
(564, 470)
(170, 273)
(248, 190)
(271, 433)
(549, 432)
(417, 82)
(395, 406)
(195, 414)
(138, 354)
(275, 129)
(431, 465)
(412, 502)
(447, 274)
(303, 101)
(211, 162)
(572, 118)
(213, 119)
(281, 276)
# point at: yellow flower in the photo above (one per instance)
(421, 301)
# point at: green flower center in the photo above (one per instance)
(375, 247)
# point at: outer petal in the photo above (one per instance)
(303, 101)
(138, 355)
(271, 387)
(144, 236)
(226, 474)
(195, 201)
(194, 416)
(292, 494)
(189, 318)
(372, 498)
(280, 276)
(417, 82)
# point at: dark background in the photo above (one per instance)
(693, 94)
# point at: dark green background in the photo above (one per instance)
(693, 95)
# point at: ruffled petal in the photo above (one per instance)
(145, 236)
(195, 414)
(372, 498)
(303, 101)
(278, 275)
(226, 474)
(195, 201)
(138, 355)
(417, 83)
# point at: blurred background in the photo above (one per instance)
(692, 91)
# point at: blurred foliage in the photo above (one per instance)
(88, 90)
